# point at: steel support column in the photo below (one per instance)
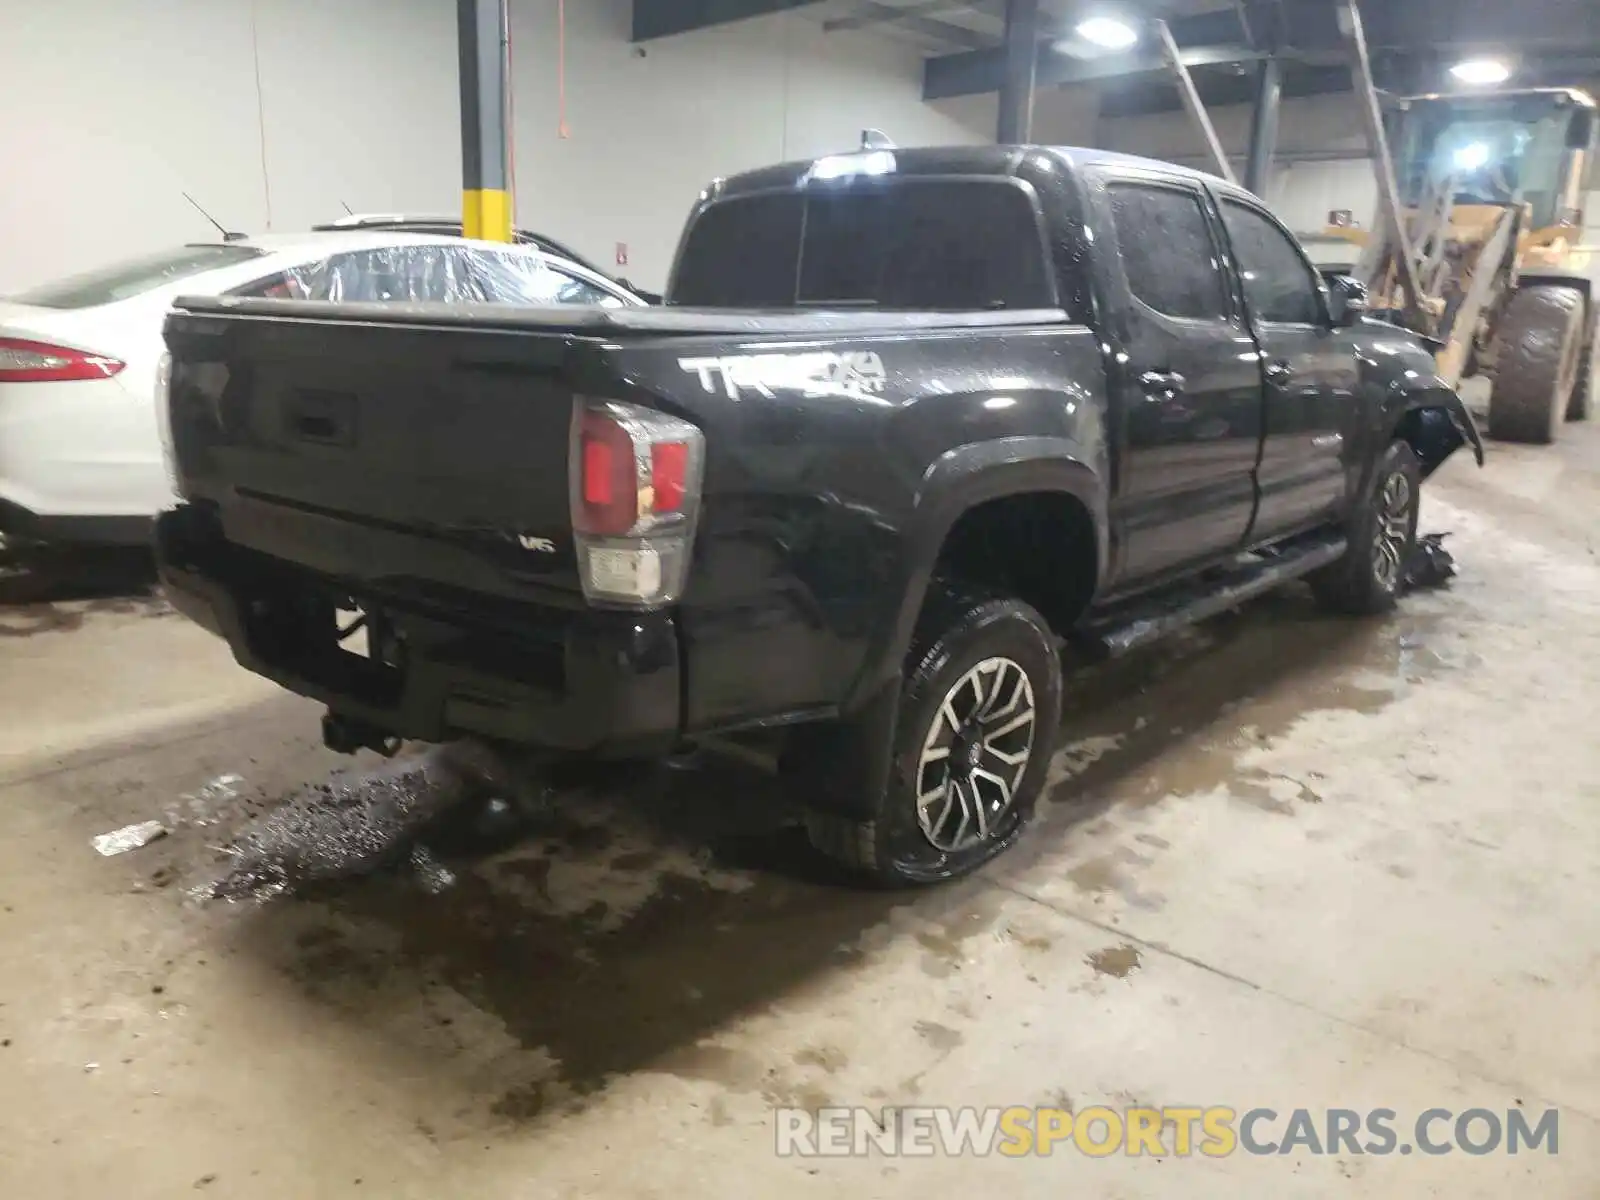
(1264, 127)
(485, 187)
(1015, 124)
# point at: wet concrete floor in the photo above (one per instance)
(1287, 861)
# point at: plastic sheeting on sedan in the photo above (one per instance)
(385, 273)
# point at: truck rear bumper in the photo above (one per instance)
(564, 681)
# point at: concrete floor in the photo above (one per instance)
(1335, 863)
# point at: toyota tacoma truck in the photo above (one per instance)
(910, 421)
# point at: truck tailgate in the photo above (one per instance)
(407, 453)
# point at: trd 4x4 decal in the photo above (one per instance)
(813, 373)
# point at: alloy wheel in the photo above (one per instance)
(975, 755)
(1392, 540)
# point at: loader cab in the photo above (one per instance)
(1535, 147)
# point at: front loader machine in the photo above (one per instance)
(1492, 189)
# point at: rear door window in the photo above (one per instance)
(914, 244)
(1167, 251)
(135, 276)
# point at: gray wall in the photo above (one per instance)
(1322, 161)
(1321, 164)
(273, 112)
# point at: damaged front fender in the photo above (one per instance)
(1436, 424)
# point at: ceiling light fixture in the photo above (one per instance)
(1108, 32)
(1483, 72)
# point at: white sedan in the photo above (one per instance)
(80, 451)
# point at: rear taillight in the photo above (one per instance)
(22, 361)
(635, 498)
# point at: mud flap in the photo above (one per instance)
(842, 766)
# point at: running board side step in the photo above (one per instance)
(1152, 617)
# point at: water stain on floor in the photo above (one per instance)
(59, 592)
(941, 1037)
(1116, 961)
(650, 911)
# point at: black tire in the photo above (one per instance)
(1583, 390)
(960, 631)
(1540, 342)
(1371, 575)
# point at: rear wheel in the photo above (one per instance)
(973, 738)
(1536, 372)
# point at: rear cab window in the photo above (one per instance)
(135, 276)
(917, 244)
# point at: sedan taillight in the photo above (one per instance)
(23, 361)
(635, 499)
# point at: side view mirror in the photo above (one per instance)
(1347, 300)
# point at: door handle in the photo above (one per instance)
(1162, 383)
(1279, 373)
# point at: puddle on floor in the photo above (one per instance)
(645, 912)
(59, 592)
(1174, 721)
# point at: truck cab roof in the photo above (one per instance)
(965, 161)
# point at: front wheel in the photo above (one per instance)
(1383, 532)
(1583, 391)
(1536, 369)
(973, 738)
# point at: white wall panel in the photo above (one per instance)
(114, 108)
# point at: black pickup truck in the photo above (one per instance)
(908, 421)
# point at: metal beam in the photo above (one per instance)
(1394, 220)
(869, 12)
(867, 16)
(1310, 28)
(967, 74)
(663, 18)
(1192, 102)
(485, 190)
(1264, 126)
(1015, 122)
(1138, 96)
(1490, 24)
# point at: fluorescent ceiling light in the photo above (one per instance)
(1472, 156)
(1481, 71)
(1108, 32)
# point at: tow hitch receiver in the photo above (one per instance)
(346, 735)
